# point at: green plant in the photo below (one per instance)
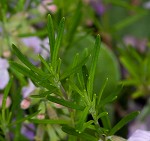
(137, 66)
(71, 88)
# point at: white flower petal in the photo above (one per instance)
(140, 135)
(3, 64)
(4, 78)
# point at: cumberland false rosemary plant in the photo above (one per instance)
(73, 89)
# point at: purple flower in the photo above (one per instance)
(38, 46)
(136, 125)
(140, 44)
(146, 5)
(98, 6)
(27, 90)
(33, 42)
(28, 130)
(140, 135)
(4, 75)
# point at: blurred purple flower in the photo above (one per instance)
(33, 42)
(27, 90)
(47, 5)
(140, 44)
(4, 75)
(98, 6)
(38, 46)
(134, 126)
(146, 5)
(28, 130)
(140, 135)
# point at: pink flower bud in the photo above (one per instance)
(8, 101)
(25, 103)
(7, 54)
(52, 8)
(41, 116)
(58, 105)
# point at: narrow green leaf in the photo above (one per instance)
(129, 20)
(6, 92)
(49, 121)
(112, 96)
(84, 135)
(25, 61)
(108, 99)
(65, 103)
(41, 95)
(75, 21)
(51, 34)
(123, 122)
(105, 119)
(125, 4)
(38, 80)
(23, 70)
(101, 92)
(133, 52)
(102, 114)
(87, 125)
(36, 33)
(75, 62)
(57, 43)
(45, 63)
(80, 123)
(59, 65)
(75, 88)
(93, 66)
(130, 67)
(25, 118)
(85, 75)
(75, 69)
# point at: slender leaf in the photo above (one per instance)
(24, 70)
(102, 114)
(25, 118)
(123, 122)
(85, 75)
(101, 91)
(108, 99)
(93, 66)
(76, 18)
(83, 116)
(44, 62)
(130, 67)
(129, 20)
(75, 88)
(57, 43)
(84, 135)
(49, 121)
(75, 69)
(6, 92)
(105, 119)
(65, 103)
(51, 34)
(25, 61)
